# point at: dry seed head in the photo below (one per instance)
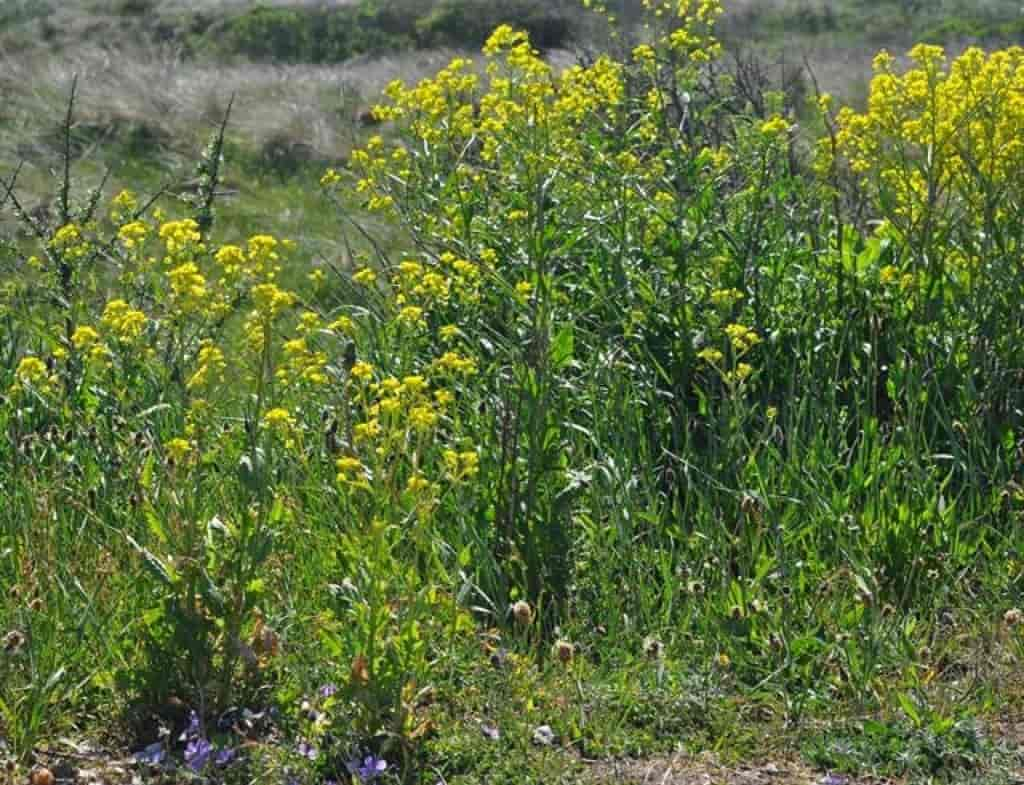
(42, 776)
(564, 651)
(1013, 617)
(522, 612)
(653, 647)
(13, 641)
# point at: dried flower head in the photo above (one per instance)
(13, 641)
(653, 647)
(564, 651)
(522, 612)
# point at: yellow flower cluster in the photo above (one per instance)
(123, 207)
(70, 243)
(461, 465)
(743, 339)
(178, 449)
(123, 321)
(32, 372)
(939, 132)
(281, 422)
(210, 365)
(302, 364)
(133, 235)
(181, 238)
(271, 300)
(188, 287)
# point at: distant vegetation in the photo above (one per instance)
(332, 35)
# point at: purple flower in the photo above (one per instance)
(225, 757)
(154, 754)
(328, 690)
(369, 769)
(194, 728)
(307, 750)
(197, 754)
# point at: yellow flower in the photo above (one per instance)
(364, 276)
(503, 37)
(351, 471)
(362, 371)
(775, 126)
(84, 337)
(331, 177)
(231, 258)
(368, 430)
(742, 338)
(124, 321)
(454, 362)
(31, 370)
(181, 237)
(343, 324)
(461, 465)
(726, 298)
(414, 384)
(271, 300)
(411, 315)
(422, 418)
(133, 234)
(123, 205)
(210, 366)
(177, 449)
(417, 484)
(188, 285)
(444, 397)
(644, 54)
(710, 355)
(279, 420)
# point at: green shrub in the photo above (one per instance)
(315, 35)
(469, 22)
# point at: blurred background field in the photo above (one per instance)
(155, 77)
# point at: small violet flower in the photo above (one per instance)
(154, 754)
(370, 768)
(327, 690)
(193, 730)
(307, 750)
(225, 757)
(197, 754)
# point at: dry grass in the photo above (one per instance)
(315, 106)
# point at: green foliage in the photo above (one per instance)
(468, 22)
(331, 35)
(18, 11)
(310, 35)
(932, 745)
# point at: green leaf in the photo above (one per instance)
(562, 347)
(909, 708)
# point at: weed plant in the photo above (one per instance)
(666, 406)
